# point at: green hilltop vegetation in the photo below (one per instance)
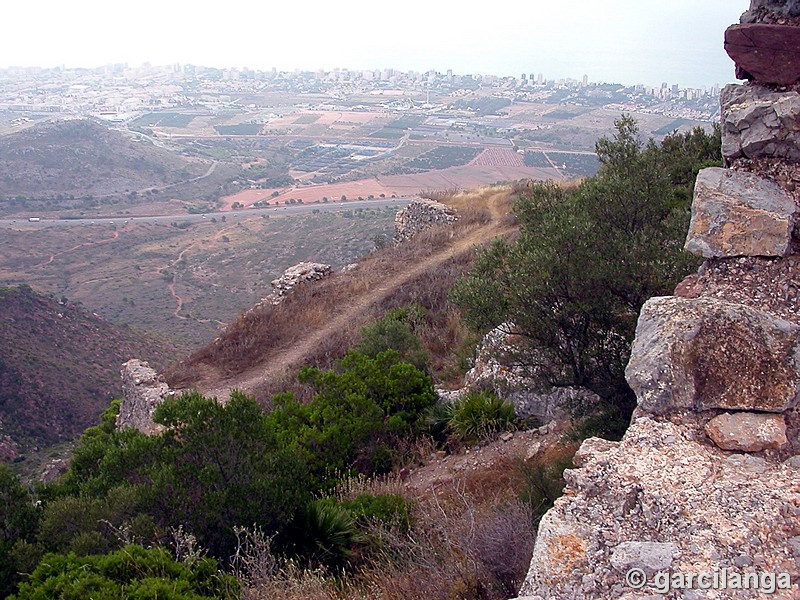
(306, 499)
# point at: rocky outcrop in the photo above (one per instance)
(666, 502)
(496, 368)
(735, 213)
(768, 53)
(419, 215)
(772, 11)
(701, 499)
(760, 122)
(143, 391)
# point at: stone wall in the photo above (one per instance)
(142, 390)
(293, 276)
(419, 215)
(706, 478)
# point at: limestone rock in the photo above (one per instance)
(661, 497)
(650, 557)
(747, 432)
(735, 213)
(771, 11)
(758, 122)
(143, 391)
(495, 368)
(706, 353)
(419, 215)
(764, 52)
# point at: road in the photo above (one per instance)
(292, 209)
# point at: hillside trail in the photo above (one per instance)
(250, 379)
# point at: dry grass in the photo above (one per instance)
(260, 335)
(471, 539)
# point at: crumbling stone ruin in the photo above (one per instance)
(294, 276)
(706, 481)
(143, 390)
(419, 215)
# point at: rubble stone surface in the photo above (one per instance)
(758, 122)
(705, 508)
(143, 391)
(295, 275)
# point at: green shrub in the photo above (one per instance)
(132, 572)
(480, 415)
(588, 258)
(18, 522)
(328, 534)
(358, 417)
(396, 331)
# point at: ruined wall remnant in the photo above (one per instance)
(143, 391)
(293, 276)
(706, 478)
(419, 215)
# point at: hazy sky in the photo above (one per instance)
(625, 41)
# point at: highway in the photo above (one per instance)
(292, 209)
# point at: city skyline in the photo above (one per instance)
(620, 41)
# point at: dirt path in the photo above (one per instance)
(84, 244)
(251, 378)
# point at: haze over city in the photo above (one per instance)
(626, 41)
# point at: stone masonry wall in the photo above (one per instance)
(419, 215)
(143, 390)
(707, 478)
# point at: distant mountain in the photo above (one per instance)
(59, 368)
(82, 158)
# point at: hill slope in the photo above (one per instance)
(82, 158)
(261, 352)
(59, 368)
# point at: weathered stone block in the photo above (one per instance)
(143, 391)
(764, 52)
(758, 122)
(705, 353)
(735, 213)
(747, 432)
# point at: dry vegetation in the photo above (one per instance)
(261, 351)
(470, 538)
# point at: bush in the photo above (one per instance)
(18, 521)
(358, 415)
(396, 331)
(587, 259)
(133, 572)
(481, 415)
